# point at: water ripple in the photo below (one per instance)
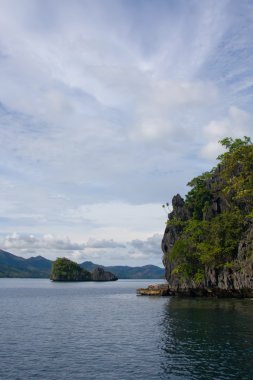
(104, 331)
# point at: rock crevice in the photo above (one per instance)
(208, 240)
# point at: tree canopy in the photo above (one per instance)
(219, 205)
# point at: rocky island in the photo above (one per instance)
(208, 241)
(64, 269)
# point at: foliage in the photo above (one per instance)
(64, 269)
(199, 196)
(176, 222)
(233, 145)
(238, 175)
(210, 237)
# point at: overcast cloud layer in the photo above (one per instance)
(107, 109)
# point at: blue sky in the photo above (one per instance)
(107, 109)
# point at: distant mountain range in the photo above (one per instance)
(122, 271)
(39, 267)
(15, 266)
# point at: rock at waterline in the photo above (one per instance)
(154, 290)
(99, 274)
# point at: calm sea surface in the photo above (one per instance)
(104, 331)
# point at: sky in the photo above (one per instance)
(108, 108)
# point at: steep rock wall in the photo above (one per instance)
(235, 277)
(235, 281)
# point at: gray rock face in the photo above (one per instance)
(171, 234)
(236, 281)
(180, 211)
(99, 274)
(208, 241)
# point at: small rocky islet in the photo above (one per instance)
(208, 240)
(64, 270)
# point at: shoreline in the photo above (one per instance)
(164, 290)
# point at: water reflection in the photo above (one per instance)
(206, 339)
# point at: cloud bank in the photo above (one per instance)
(103, 118)
(103, 250)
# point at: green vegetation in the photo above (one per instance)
(66, 270)
(39, 267)
(238, 171)
(219, 204)
(14, 266)
(199, 198)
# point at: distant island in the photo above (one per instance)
(208, 240)
(64, 269)
(13, 266)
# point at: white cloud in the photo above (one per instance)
(103, 244)
(104, 251)
(119, 214)
(158, 110)
(211, 150)
(238, 123)
(138, 255)
(101, 116)
(150, 246)
(33, 243)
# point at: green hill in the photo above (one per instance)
(39, 267)
(127, 272)
(15, 266)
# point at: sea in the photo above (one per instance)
(104, 331)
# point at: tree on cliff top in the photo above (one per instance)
(219, 206)
(233, 144)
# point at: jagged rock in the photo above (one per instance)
(236, 281)
(99, 274)
(171, 234)
(154, 290)
(235, 277)
(180, 211)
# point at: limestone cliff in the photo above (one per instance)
(64, 269)
(208, 240)
(99, 274)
